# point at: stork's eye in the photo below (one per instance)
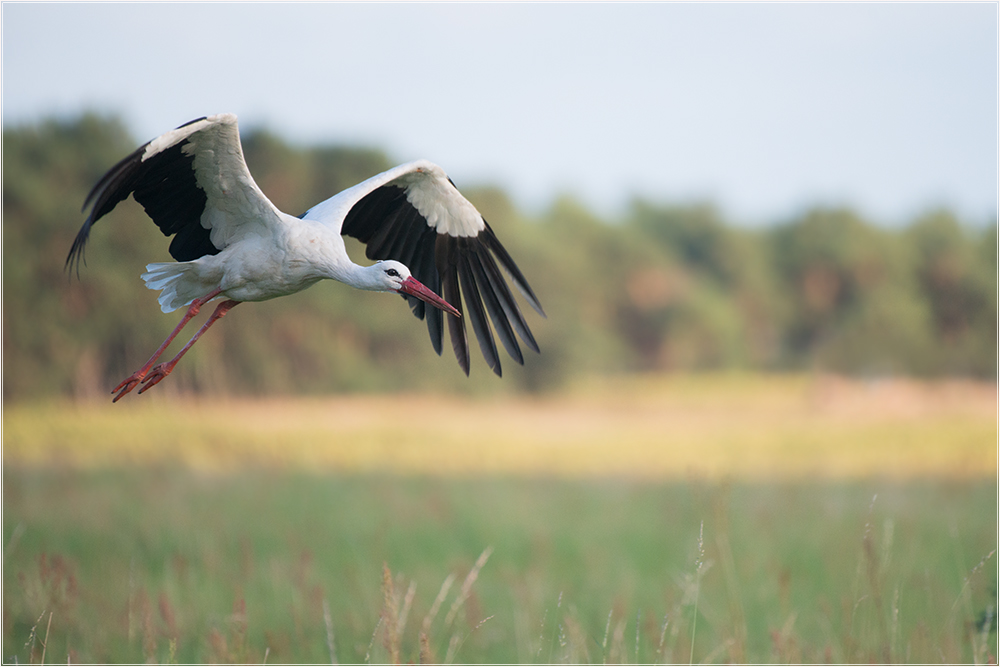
(392, 273)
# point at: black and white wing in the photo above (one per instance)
(193, 182)
(414, 214)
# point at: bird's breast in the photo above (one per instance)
(262, 290)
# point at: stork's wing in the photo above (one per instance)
(194, 184)
(415, 215)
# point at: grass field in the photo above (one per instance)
(698, 519)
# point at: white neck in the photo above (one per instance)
(330, 258)
(361, 277)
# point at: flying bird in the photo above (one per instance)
(431, 244)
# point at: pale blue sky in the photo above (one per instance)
(765, 109)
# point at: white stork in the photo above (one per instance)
(231, 242)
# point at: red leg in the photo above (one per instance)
(163, 370)
(129, 383)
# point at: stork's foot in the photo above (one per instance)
(156, 374)
(127, 385)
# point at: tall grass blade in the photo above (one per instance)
(663, 638)
(390, 614)
(638, 617)
(557, 628)
(452, 649)
(697, 586)
(607, 631)
(407, 603)
(328, 620)
(33, 637)
(466, 589)
(14, 537)
(45, 642)
(371, 643)
(442, 594)
(426, 654)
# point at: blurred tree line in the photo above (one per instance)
(665, 288)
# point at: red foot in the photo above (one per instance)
(127, 385)
(156, 374)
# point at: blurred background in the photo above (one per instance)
(765, 237)
(688, 187)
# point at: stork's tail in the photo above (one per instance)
(179, 283)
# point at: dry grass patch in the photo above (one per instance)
(729, 426)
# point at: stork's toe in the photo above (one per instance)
(155, 375)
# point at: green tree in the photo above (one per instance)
(957, 274)
(665, 288)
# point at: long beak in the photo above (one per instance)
(414, 287)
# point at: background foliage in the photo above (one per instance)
(666, 287)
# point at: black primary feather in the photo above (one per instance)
(453, 267)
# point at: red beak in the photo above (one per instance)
(414, 287)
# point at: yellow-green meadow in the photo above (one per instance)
(717, 518)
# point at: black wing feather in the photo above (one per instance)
(412, 228)
(447, 254)
(425, 264)
(392, 228)
(491, 241)
(475, 303)
(165, 185)
(497, 315)
(507, 302)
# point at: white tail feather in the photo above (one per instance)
(179, 283)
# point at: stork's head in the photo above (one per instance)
(395, 277)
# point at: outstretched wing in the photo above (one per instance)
(414, 214)
(194, 184)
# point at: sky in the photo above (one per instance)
(765, 110)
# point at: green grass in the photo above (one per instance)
(167, 564)
(715, 518)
